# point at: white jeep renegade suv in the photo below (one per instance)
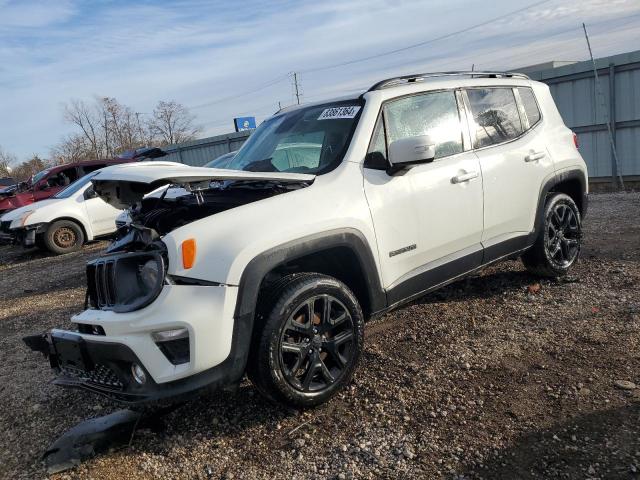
(330, 214)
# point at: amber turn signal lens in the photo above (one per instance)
(188, 253)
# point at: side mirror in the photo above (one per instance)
(411, 151)
(89, 193)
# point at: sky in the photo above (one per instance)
(226, 59)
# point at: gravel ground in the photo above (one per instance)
(500, 375)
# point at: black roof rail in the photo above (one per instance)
(419, 77)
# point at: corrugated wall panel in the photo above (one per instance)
(627, 95)
(628, 149)
(596, 151)
(574, 90)
(199, 152)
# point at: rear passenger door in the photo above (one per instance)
(506, 130)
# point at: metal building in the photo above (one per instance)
(199, 152)
(586, 111)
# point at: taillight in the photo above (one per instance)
(575, 140)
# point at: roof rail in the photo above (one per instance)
(420, 77)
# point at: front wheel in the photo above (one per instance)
(310, 342)
(63, 236)
(558, 243)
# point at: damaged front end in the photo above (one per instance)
(136, 342)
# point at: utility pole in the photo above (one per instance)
(295, 84)
(140, 128)
(615, 166)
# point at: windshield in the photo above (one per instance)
(307, 140)
(39, 176)
(220, 162)
(75, 186)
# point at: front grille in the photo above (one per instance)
(101, 375)
(101, 283)
(4, 226)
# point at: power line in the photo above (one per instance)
(426, 42)
(233, 97)
(350, 62)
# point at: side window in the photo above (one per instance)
(530, 105)
(434, 114)
(495, 115)
(63, 178)
(378, 141)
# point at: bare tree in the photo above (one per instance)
(172, 123)
(6, 161)
(84, 117)
(72, 148)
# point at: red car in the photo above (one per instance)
(48, 182)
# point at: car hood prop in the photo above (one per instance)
(124, 185)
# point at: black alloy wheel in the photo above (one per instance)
(562, 240)
(307, 339)
(316, 343)
(558, 240)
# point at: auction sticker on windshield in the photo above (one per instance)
(339, 112)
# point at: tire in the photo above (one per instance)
(301, 357)
(63, 236)
(558, 243)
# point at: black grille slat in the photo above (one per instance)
(109, 282)
(101, 283)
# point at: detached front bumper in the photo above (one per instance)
(102, 361)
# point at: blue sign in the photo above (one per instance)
(244, 123)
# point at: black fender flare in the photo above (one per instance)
(549, 185)
(350, 238)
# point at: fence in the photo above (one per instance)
(574, 90)
(198, 152)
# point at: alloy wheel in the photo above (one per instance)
(563, 235)
(316, 344)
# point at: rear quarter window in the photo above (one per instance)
(530, 105)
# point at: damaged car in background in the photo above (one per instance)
(62, 223)
(329, 214)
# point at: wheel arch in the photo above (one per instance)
(571, 182)
(341, 253)
(80, 223)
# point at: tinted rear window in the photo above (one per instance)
(495, 114)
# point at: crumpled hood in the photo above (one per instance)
(18, 212)
(124, 185)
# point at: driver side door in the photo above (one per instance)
(428, 220)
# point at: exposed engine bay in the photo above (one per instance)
(155, 216)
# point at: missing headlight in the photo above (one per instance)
(125, 282)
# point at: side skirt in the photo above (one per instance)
(438, 277)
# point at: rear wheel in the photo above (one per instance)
(310, 343)
(558, 244)
(63, 236)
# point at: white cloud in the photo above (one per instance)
(200, 51)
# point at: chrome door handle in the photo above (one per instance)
(534, 156)
(465, 177)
